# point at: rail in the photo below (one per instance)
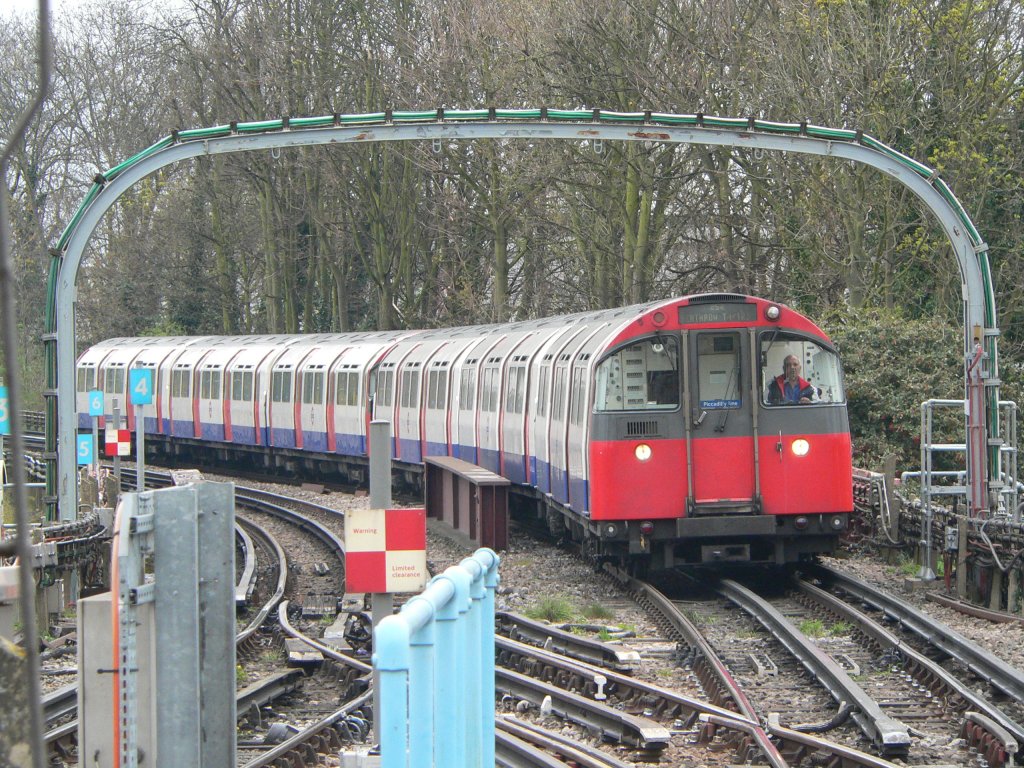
(889, 734)
(997, 672)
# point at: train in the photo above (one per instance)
(656, 436)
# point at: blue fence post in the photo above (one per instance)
(422, 682)
(488, 561)
(436, 664)
(391, 657)
(472, 666)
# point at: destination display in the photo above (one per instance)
(693, 314)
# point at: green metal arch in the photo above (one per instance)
(969, 248)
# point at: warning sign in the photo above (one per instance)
(385, 550)
(117, 442)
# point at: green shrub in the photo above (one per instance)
(553, 609)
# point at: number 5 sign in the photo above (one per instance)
(141, 382)
(5, 412)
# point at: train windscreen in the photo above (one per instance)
(641, 376)
(796, 370)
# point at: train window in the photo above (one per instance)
(641, 376)
(542, 388)
(516, 393)
(438, 394)
(467, 389)
(718, 370)
(241, 386)
(114, 381)
(313, 388)
(347, 389)
(410, 389)
(86, 379)
(558, 397)
(433, 381)
(489, 392)
(281, 387)
(180, 383)
(386, 388)
(578, 399)
(816, 376)
(209, 382)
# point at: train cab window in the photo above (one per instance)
(641, 376)
(718, 370)
(798, 371)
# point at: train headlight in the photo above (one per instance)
(611, 530)
(772, 312)
(800, 523)
(801, 447)
(838, 523)
(642, 451)
(646, 527)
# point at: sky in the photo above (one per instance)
(58, 7)
(31, 7)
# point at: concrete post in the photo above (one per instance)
(382, 604)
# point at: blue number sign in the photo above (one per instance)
(96, 402)
(141, 382)
(5, 413)
(86, 450)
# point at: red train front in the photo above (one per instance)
(719, 431)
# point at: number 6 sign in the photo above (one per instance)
(5, 412)
(141, 383)
(96, 402)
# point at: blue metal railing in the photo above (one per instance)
(435, 659)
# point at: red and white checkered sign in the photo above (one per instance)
(385, 550)
(117, 442)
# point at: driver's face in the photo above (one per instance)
(792, 369)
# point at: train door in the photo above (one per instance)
(210, 403)
(721, 446)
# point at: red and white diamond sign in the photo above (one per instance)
(385, 550)
(118, 442)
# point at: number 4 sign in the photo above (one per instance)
(141, 382)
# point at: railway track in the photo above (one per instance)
(733, 700)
